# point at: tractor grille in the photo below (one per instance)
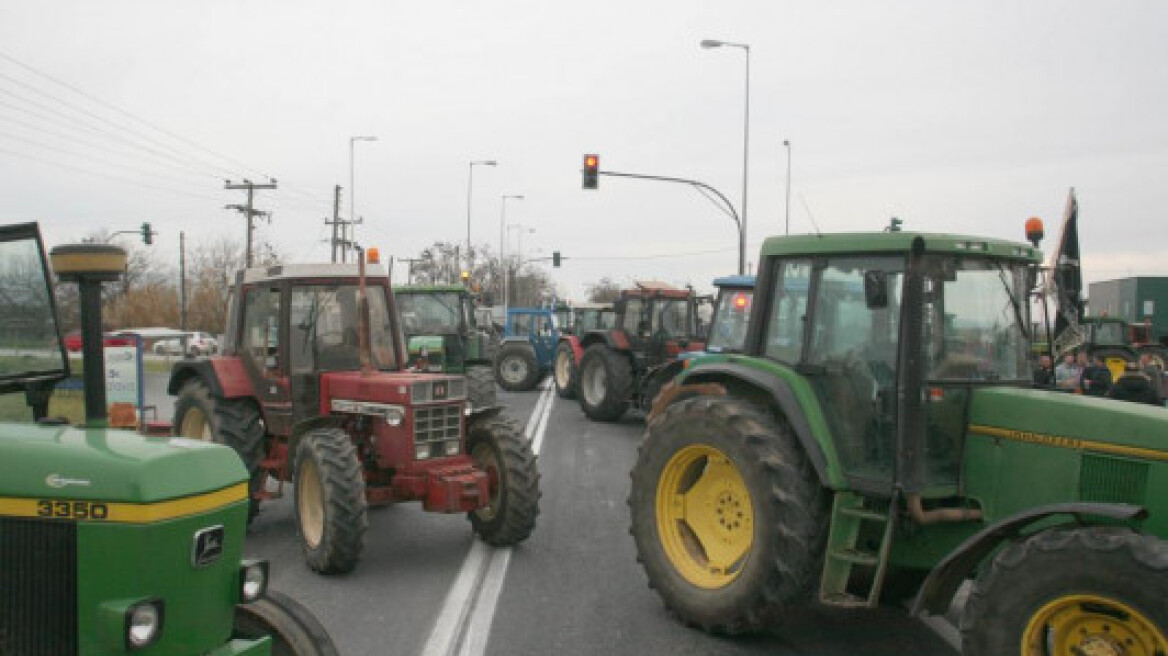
(38, 587)
(1113, 480)
(437, 430)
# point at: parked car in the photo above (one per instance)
(197, 344)
(73, 340)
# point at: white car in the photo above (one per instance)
(197, 344)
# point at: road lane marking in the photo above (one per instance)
(463, 627)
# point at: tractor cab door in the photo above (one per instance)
(671, 329)
(545, 337)
(264, 358)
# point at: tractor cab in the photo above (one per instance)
(659, 321)
(731, 314)
(437, 321)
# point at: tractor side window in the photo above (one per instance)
(671, 318)
(635, 321)
(847, 324)
(261, 329)
(788, 315)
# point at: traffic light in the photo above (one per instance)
(555, 258)
(147, 235)
(591, 171)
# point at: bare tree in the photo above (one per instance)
(605, 290)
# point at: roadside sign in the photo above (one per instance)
(123, 378)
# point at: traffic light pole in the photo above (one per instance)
(728, 206)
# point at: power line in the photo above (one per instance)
(130, 115)
(714, 251)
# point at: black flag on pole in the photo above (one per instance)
(1066, 269)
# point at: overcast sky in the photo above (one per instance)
(953, 116)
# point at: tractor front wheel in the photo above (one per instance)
(294, 630)
(480, 383)
(565, 371)
(497, 446)
(234, 422)
(330, 501)
(516, 368)
(729, 519)
(1088, 590)
(606, 383)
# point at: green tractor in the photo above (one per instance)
(879, 437)
(443, 335)
(112, 542)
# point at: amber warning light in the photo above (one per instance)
(373, 255)
(741, 302)
(1034, 230)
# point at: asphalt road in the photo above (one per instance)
(426, 587)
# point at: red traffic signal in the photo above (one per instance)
(591, 171)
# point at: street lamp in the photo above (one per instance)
(353, 193)
(712, 43)
(787, 145)
(469, 181)
(503, 243)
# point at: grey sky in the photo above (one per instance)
(956, 117)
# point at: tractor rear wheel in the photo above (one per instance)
(605, 384)
(516, 368)
(497, 446)
(729, 519)
(480, 382)
(565, 371)
(294, 630)
(234, 422)
(1088, 590)
(330, 501)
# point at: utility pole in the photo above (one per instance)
(336, 223)
(248, 211)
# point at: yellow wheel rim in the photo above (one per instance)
(195, 424)
(563, 368)
(1091, 625)
(310, 503)
(705, 516)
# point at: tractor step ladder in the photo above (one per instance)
(848, 517)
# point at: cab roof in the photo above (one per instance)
(373, 272)
(898, 242)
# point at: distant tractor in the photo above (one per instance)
(625, 366)
(1119, 343)
(313, 388)
(443, 336)
(879, 437)
(528, 346)
(112, 542)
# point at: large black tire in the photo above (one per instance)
(747, 540)
(294, 630)
(516, 368)
(330, 503)
(564, 371)
(234, 422)
(480, 382)
(605, 383)
(496, 444)
(1094, 581)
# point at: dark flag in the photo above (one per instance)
(1066, 271)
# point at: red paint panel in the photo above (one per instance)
(232, 377)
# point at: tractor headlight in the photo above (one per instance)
(452, 448)
(421, 451)
(395, 415)
(253, 580)
(143, 624)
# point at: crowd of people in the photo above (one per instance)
(1141, 382)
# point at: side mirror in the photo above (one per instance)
(875, 289)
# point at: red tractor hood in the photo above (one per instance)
(394, 387)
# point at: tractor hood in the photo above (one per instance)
(1071, 421)
(342, 389)
(432, 344)
(110, 465)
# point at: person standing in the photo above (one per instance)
(1044, 375)
(1066, 375)
(1151, 367)
(1096, 378)
(1134, 385)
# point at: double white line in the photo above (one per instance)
(464, 623)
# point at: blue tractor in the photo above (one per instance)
(528, 348)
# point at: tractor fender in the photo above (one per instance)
(302, 427)
(941, 584)
(769, 391)
(573, 343)
(515, 340)
(615, 339)
(477, 414)
(224, 376)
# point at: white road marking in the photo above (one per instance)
(463, 627)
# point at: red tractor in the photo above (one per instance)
(312, 388)
(624, 366)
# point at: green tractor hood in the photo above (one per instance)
(111, 465)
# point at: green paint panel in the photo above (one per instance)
(133, 562)
(110, 465)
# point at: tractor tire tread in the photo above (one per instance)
(344, 501)
(618, 383)
(515, 519)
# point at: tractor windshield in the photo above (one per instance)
(430, 313)
(671, 317)
(29, 340)
(325, 329)
(728, 330)
(975, 314)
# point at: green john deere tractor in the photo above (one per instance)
(111, 542)
(880, 437)
(442, 335)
